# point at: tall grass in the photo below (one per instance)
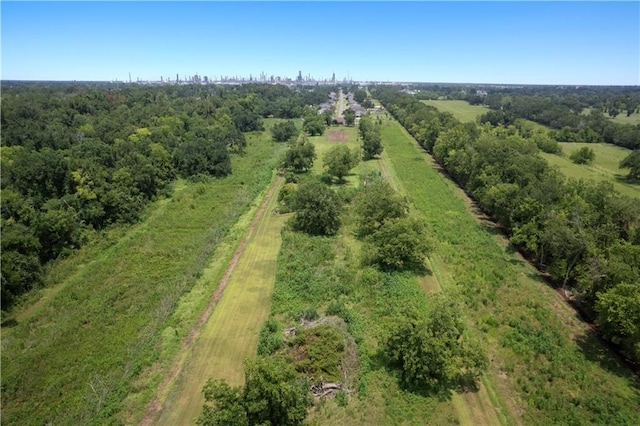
(546, 364)
(73, 357)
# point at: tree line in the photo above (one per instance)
(585, 235)
(79, 158)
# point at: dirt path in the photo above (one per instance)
(154, 408)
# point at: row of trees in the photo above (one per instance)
(584, 234)
(77, 158)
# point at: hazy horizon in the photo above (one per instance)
(510, 43)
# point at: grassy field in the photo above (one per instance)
(231, 333)
(621, 118)
(605, 167)
(547, 367)
(94, 347)
(461, 110)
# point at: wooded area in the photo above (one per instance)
(77, 158)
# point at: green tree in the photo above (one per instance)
(199, 156)
(300, 156)
(360, 95)
(370, 136)
(349, 116)
(317, 209)
(339, 160)
(314, 126)
(434, 352)
(272, 395)
(584, 155)
(375, 203)
(619, 316)
(632, 162)
(284, 131)
(398, 244)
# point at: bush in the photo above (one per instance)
(434, 352)
(317, 209)
(584, 155)
(399, 244)
(284, 131)
(270, 339)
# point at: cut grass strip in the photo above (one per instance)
(231, 334)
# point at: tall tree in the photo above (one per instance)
(317, 209)
(339, 160)
(272, 395)
(632, 162)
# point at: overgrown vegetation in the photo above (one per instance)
(549, 367)
(107, 313)
(571, 228)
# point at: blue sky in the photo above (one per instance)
(476, 42)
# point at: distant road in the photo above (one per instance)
(340, 104)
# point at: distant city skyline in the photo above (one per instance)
(563, 43)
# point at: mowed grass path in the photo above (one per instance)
(604, 168)
(231, 334)
(546, 366)
(94, 351)
(462, 110)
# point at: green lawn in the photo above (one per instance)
(96, 345)
(461, 110)
(604, 168)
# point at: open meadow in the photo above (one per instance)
(462, 110)
(604, 168)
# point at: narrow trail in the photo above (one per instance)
(154, 408)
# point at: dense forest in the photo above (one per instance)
(78, 158)
(585, 235)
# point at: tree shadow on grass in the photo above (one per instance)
(603, 353)
(443, 392)
(626, 180)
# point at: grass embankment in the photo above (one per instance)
(462, 110)
(546, 365)
(96, 345)
(604, 168)
(231, 333)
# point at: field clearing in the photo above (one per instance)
(621, 118)
(530, 334)
(231, 334)
(462, 110)
(633, 119)
(327, 141)
(604, 168)
(107, 326)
